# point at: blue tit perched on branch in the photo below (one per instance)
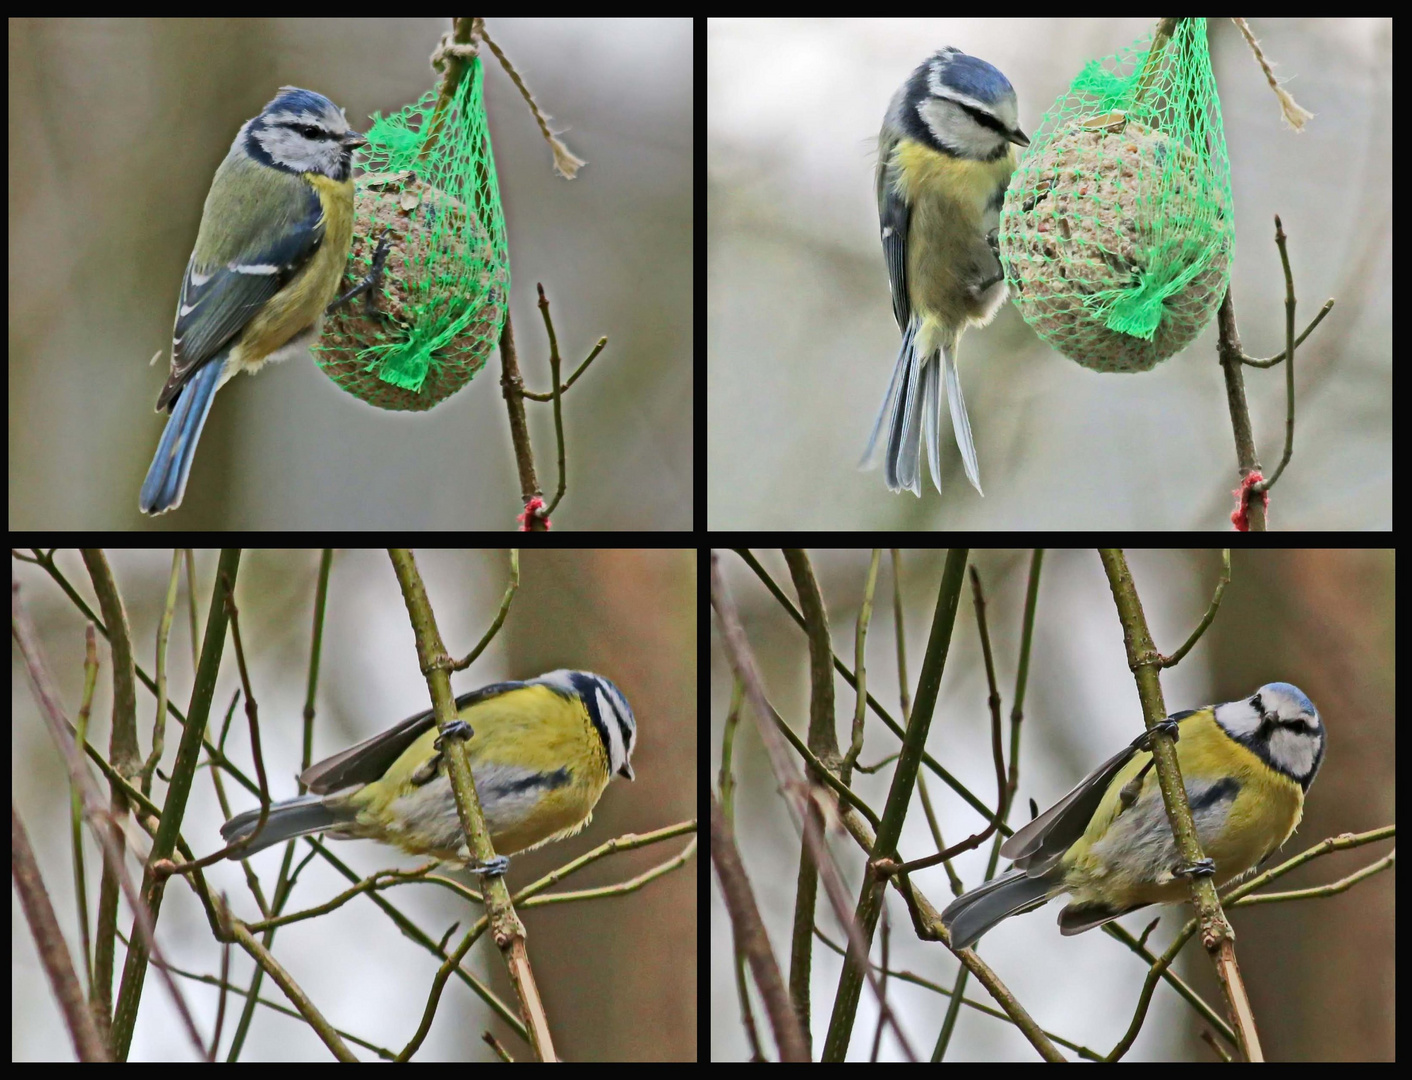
(1246, 766)
(541, 753)
(271, 249)
(944, 161)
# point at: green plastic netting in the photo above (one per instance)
(429, 196)
(1118, 229)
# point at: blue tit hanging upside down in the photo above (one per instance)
(944, 161)
(1246, 766)
(271, 249)
(541, 753)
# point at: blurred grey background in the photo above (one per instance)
(116, 127)
(802, 339)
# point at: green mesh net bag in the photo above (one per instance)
(427, 208)
(1118, 229)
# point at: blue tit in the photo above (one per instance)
(271, 249)
(541, 753)
(945, 156)
(1246, 766)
